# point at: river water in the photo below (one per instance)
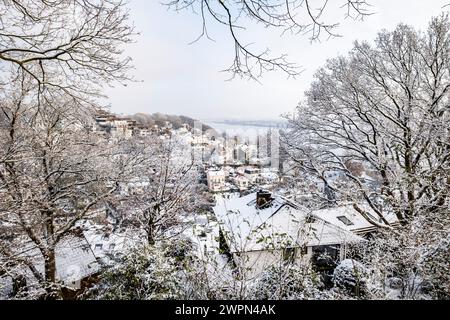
(241, 130)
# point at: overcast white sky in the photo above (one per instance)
(178, 78)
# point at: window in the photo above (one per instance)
(289, 254)
(345, 220)
(304, 250)
(325, 257)
(98, 246)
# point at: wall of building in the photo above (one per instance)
(256, 262)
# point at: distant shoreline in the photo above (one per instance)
(249, 123)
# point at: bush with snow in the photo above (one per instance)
(350, 275)
(143, 274)
(290, 282)
(435, 264)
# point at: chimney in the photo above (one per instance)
(263, 198)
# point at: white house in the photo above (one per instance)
(241, 182)
(216, 180)
(113, 125)
(252, 174)
(261, 229)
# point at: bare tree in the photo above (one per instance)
(161, 188)
(304, 17)
(54, 172)
(385, 107)
(70, 46)
(55, 56)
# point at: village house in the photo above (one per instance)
(142, 131)
(241, 182)
(252, 174)
(216, 180)
(261, 229)
(116, 127)
(76, 267)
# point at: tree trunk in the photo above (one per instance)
(152, 214)
(150, 236)
(51, 287)
(150, 232)
(19, 285)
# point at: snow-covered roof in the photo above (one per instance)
(216, 173)
(74, 260)
(202, 232)
(280, 224)
(109, 244)
(241, 178)
(348, 218)
(271, 176)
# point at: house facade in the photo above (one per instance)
(216, 180)
(261, 229)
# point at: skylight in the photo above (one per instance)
(345, 220)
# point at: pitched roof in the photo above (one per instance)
(348, 218)
(215, 173)
(74, 260)
(278, 225)
(109, 244)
